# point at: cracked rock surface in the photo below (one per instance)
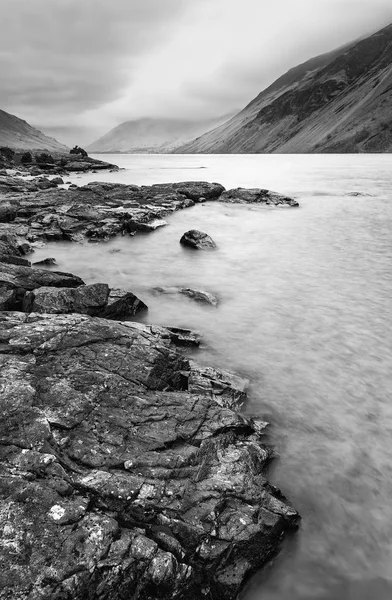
(125, 469)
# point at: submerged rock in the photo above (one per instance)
(200, 296)
(116, 481)
(197, 295)
(197, 240)
(256, 196)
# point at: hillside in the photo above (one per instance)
(19, 135)
(152, 135)
(337, 102)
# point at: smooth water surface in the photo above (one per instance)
(305, 313)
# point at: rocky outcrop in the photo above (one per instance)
(99, 211)
(121, 475)
(256, 196)
(198, 240)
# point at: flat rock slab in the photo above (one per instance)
(117, 481)
(256, 196)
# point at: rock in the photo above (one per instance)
(123, 483)
(8, 210)
(8, 298)
(197, 240)
(10, 254)
(226, 388)
(183, 337)
(198, 191)
(122, 304)
(28, 278)
(256, 196)
(45, 261)
(200, 296)
(43, 183)
(86, 299)
(147, 227)
(58, 180)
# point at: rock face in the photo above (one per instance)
(117, 480)
(256, 196)
(197, 240)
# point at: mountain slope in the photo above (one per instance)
(151, 135)
(337, 102)
(16, 133)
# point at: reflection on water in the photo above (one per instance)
(306, 313)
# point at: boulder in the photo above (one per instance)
(116, 481)
(197, 240)
(86, 299)
(58, 180)
(122, 304)
(256, 196)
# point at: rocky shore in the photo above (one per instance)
(127, 470)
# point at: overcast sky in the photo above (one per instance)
(77, 68)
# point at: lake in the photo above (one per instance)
(306, 314)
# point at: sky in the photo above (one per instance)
(77, 68)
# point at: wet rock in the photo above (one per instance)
(122, 482)
(256, 196)
(58, 180)
(86, 299)
(198, 191)
(200, 296)
(28, 278)
(197, 240)
(226, 388)
(46, 262)
(146, 227)
(184, 337)
(122, 304)
(197, 295)
(10, 254)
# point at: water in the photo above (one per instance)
(305, 313)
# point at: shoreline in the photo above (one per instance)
(115, 437)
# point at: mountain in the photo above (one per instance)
(337, 102)
(152, 135)
(19, 135)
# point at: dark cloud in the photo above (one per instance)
(62, 57)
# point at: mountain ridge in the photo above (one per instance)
(17, 134)
(337, 102)
(152, 135)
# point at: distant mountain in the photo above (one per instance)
(19, 135)
(152, 135)
(338, 102)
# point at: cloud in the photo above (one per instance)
(88, 65)
(60, 58)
